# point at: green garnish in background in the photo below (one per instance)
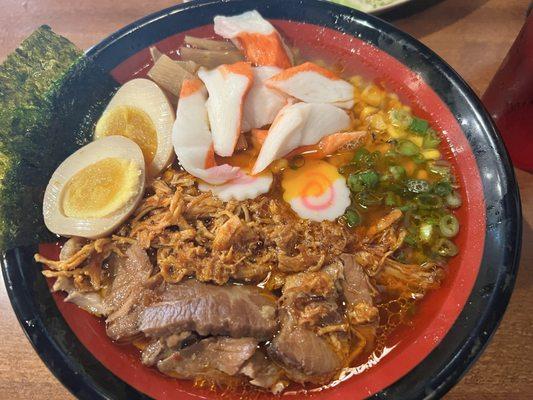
(50, 97)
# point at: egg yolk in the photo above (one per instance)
(133, 123)
(100, 189)
(312, 179)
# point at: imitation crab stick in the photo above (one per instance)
(192, 139)
(329, 144)
(227, 86)
(258, 137)
(256, 37)
(299, 124)
(262, 104)
(313, 84)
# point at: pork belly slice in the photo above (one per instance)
(359, 295)
(127, 294)
(209, 358)
(231, 310)
(309, 302)
(264, 373)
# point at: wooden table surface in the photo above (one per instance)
(471, 35)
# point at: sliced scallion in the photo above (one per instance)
(425, 232)
(449, 226)
(442, 188)
(354, 183)
(361, 155)
(407, 148)
(352, 218)
(445, 248)
(369, 178)
(369, 199)
(397, 172)
(390, 199)
(417, 185)
(431, 139)
(427, 201)
(400, 118)
(453, 200)
(419, 125)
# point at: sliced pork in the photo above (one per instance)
(236, 311)
(308, 307)
(71, 247)
(89, 301)
(209, 357)
(127, 295)
(359, 296)
(264, 373)
(162, 347)
(304, 355)
(358, 292)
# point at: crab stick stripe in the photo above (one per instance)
(256, 37)
(190, 87)
(192, 138)
(329, 144)
(313, 84)
(297, 125)
(227, 86)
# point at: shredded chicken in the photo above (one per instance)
(196, 234)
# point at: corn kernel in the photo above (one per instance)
(367, 111)
(431, 154)
(396, 133)
(373, 95)
(418, 140)
(358, 107)
(422, 174)
(377, 122)
(394, 104)
(356, 80)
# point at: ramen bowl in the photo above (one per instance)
(452, 325)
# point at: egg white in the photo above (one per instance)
(148, 97)
(109, 147)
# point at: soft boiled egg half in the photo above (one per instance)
(141, 112)
(316, 191)
(95, 189)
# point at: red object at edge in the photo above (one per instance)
(509, 98)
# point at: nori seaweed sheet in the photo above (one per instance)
(50, 98)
